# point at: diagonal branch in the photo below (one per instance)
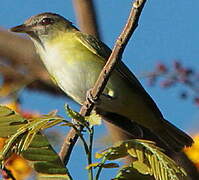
(100, 84)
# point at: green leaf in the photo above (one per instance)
(110, 165)
(141, 167)
(10, 121)
(26, 139)
(75, 115)
(113, 153)
(92, 165)
(127, 173)
(148, 159)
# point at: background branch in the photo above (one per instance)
(86, 17)
(20, 65)
(115, 56)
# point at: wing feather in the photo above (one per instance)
(103, 51)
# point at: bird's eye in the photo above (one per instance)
(47, 21)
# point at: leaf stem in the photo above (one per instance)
(100, 168)
(91, 133)
(88, 149)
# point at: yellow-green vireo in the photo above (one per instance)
(75, 59)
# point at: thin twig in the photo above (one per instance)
(115, 56)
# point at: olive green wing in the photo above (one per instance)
(94, 45)
(103, 51)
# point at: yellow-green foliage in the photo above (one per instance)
(147, 159)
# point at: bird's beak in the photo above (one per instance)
(21, 29)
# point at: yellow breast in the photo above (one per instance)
(73, 67)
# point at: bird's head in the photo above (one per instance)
(44, 26)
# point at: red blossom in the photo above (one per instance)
(161, 68)
(177, 74)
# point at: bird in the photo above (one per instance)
(74, 61)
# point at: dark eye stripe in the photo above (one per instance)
(47, 21)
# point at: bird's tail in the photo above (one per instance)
(173, 137)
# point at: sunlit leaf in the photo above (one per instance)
(148, 159)
(115, 152)
(132, 152)
(99, 155)
(141, 167)
(92, 165)
(27, 140)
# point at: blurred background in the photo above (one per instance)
(163, 53)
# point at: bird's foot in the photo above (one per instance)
(90, 98)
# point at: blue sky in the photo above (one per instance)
(167, 30)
